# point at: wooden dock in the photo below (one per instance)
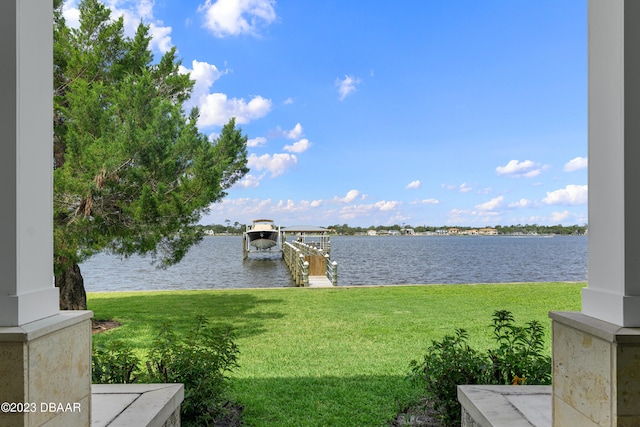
(309, 259)
(306, 255)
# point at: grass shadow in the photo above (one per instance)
(139, 311)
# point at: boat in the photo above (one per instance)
(262, 234)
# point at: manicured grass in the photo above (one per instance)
(339, 356)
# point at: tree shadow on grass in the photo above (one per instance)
(246, 314)
(328, 401)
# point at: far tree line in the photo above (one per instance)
(344, 229)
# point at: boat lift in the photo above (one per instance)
(247, 248)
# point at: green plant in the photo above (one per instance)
(520, 356)
(113, 362)
(518, 359)
(447, 364)
(201, 361)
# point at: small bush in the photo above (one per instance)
(449, 362)
(518, 359)
(201, 360)
(114, 363)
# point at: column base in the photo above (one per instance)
(45, 371)
(595, 370)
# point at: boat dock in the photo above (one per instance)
(306, 251)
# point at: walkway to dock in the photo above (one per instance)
(310, 266)
(319, 282)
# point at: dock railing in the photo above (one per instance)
(304, 260)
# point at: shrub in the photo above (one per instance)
(113, 363)
(520, 356)
(518, 359)
(201, 360)
(446, 364)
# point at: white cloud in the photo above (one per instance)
(414, 185)
(558, 217)
(576, 164)
(250, 181)
(570, 195)
(277, 164)
(298, 147)
(295, 133)
(346, 86)
(71, 14)
(285, 206)
(386, 205)
(258, 141)
(364, 210)
(204, 74)
(235, 17)
(462, 188)
(350, 197)
(516, 169)
(160, 38)
(288, 101)
(491, 204)
(244, 209)
(355, 211)
(522, 203)
(429, 201)
(216, 109)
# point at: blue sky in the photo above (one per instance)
(420, 112)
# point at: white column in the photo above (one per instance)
(27, 291)
(613, 293)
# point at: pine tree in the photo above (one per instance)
(132, 172)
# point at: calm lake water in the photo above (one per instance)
(216, 263)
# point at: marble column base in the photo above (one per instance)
(45, 372)
(596, 372)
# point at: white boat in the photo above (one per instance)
(262, 234)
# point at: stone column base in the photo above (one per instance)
(45, 372)
(596, 367)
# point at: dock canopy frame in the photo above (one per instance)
(308, 234)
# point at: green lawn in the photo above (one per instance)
(331, 357)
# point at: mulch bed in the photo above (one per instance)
(103, 325)
(419, 415)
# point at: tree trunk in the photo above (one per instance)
(71, 284)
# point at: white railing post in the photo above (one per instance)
(334, 273)
(305, 273)
(327, 264)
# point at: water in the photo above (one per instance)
(217, 263)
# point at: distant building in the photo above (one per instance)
(488, 232)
